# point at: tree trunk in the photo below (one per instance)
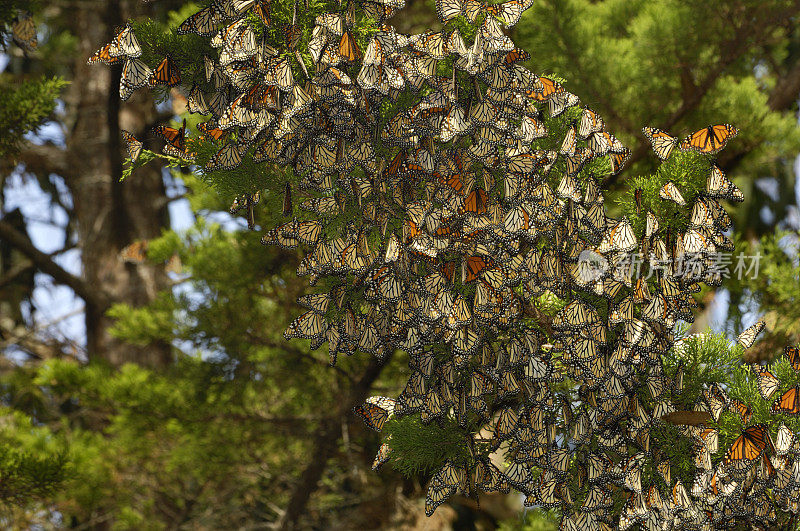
(324, 446)
(108, 214)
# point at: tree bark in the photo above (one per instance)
(324, 445)
(108, 214)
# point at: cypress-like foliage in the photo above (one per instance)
(450, 203)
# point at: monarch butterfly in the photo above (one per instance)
(287, 200)
(618, 238)
(530, 129)
(488, 478)
(544, 89)
(570, 142)
(450, 9)
(788, 403)
(166, 73)
(602, 143)
(383, 455)
(671, 192)
(597, 499)
(309, 325)
(528, 163)
(621, 312)
(319, 39)
(376, 411)
(196, 101)
(716, 400)
(710, 139)
(484, 112)
(618, 160)
(748, 337)
(292, 34)
(793, 355)
(679, 495)
(493, 39)
(332, 22)
(133, 146)
(719, 186)
(516, 55)
(476, 201)
(262, 9)
(208, 129)
(348, 49)
(767, 382)
(785, 440)
(431, 44)
(444, 484)
(309, 232)
(125, 44)
(466, 341)
(227, 158)
(23, 31)
(317, 301)
(238, 42)
(750, 446)
(637, 197)
(560, 102)
(203, 23)
(135, 74)
(568, 189)
(662, 142)
(176, 139)
(456, 123)
(135, 253)
(576, 162)
(102, 56)
(744, 411)
(590, 122)
(510, 11)
(695, 241)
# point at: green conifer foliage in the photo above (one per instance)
(449, 202)
(32, 465)
(24, 103)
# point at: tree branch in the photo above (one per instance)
(91, 294)
(327, 434)
(733, 49)
(44, 160)
(15, 271)
(786, 90)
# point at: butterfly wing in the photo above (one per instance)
(135, 74)
(748, 337)
(710, 139)
(662, 142)
(788, 403)
(133, 146)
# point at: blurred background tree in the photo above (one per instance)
(174, 393)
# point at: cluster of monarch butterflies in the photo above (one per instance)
(23, 31)
(445, 191)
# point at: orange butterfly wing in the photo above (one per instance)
(710, 139)
(348, 47)
(744, 411)
(788, 403)
(102, 56)
(475, 266)
(475, 202)
(166, 73)
(550, 87)
(793, 355)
